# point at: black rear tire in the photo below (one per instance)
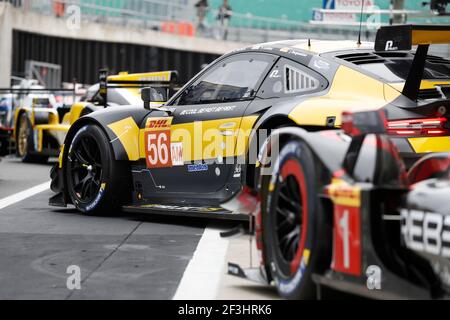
(296, 235)
(96, 183)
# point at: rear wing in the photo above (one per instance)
(164, 80)
(149, 77)
(403, 38)
(24, 91)
(18, 93)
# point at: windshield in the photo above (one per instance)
(396, 70)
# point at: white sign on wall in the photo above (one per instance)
(348, 4)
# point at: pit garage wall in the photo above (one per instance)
(82, 59)
(83, 50)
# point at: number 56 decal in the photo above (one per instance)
(157, 142)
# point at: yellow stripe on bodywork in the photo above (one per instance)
(75, 111)
(200, 139)
(148, 76)
(350, 90)
(203, 140)
(427, 145)
(127, 132)
(430, 37)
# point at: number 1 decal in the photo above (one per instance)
(347, 239)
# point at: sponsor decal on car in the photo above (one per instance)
(293, 52)
(181, 208)
(347, 227)
(207, 110)
(197, 167)
(176, 151)
(289, 286)
(426, 232)
(157, 142)
(97, 198)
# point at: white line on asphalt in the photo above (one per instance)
(201, 279)
(6, 202)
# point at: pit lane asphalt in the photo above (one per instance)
(120, 256)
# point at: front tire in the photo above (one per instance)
(96, 182)
(295, 233)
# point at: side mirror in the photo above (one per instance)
(146, 96)
(103, 87)
(149, 95)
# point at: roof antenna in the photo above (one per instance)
(360, 23)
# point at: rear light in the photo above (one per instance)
(418, 127)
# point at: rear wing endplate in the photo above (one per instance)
(403, 38)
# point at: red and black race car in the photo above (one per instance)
(366, 225)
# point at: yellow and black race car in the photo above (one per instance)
(40, 124)
(201, 148)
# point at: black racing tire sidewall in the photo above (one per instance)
(300, 284)
(104, 200)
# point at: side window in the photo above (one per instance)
(298, 81)
(289, 78)
(233, 79)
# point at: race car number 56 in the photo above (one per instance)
(158, 149)
(157, 143)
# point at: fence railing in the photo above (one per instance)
(154, 14)
(151, 14)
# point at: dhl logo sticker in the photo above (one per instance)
(344, 194)
(158, 123)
